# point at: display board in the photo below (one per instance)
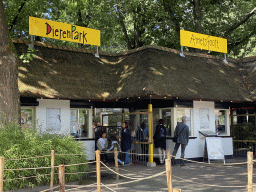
(208, 133)
(214, 148)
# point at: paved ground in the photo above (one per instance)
(194, 177)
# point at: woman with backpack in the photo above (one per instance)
(160, 140)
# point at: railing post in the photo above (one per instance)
(98, 170)
(1, 174)
(61, 178)
(167, 166)
(169, 180)
(52, 169)
(116, 165)
(250, 170)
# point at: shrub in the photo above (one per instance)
(18, 143)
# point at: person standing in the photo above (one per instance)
(182, 134)
(126, 142)
(160, 140)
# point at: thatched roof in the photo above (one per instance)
(71, 73)
(248, 69)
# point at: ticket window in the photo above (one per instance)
(166, 115)
(221, 121)
(180, 112)
(79, 122)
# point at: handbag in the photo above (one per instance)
(175, 138)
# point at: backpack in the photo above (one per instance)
(161, 134)
(140, 135)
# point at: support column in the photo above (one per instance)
(150, 134)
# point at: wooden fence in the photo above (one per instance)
(61, 172)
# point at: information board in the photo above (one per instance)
(214, 149)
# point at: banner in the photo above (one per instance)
(201, 41)
(63, 31)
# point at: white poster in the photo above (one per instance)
(53, 119)
(214, 148)
(104, 119)
(204, 118)
(73, 121)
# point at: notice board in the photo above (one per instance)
(214, 148)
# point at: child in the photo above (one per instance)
(115, 144)
(102, 145)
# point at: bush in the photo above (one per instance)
(18, 143)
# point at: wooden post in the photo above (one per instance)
(167, 166)
(169, 180)
(52, 169)
(116, 165)
(98, 170)
(1, 174)
(250, 170)
(61, 178)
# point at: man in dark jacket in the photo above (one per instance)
(126, 141)
(182, 132)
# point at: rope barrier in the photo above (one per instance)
(47, 167)
(80, 164)
(107, 187)
(134, 179)
(50, 189)
(30, 168)
(27, 177)
(215, 164)
(145, 178)
(119, 173)
(46, 156)
(79, 186)
(209, 185)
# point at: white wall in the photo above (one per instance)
(196, 147)
(63, 105)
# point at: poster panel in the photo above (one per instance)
(214, 148)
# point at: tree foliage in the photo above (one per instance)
(130, 24)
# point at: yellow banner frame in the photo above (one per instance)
(63, 31)
(202, 41)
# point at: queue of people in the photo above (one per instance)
(102, 144)
(181, 133)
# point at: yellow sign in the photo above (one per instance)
(201, 41)
(63, 31)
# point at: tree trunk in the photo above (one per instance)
(121, 20)
(9, 92)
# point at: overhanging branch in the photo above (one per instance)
(236, 25)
